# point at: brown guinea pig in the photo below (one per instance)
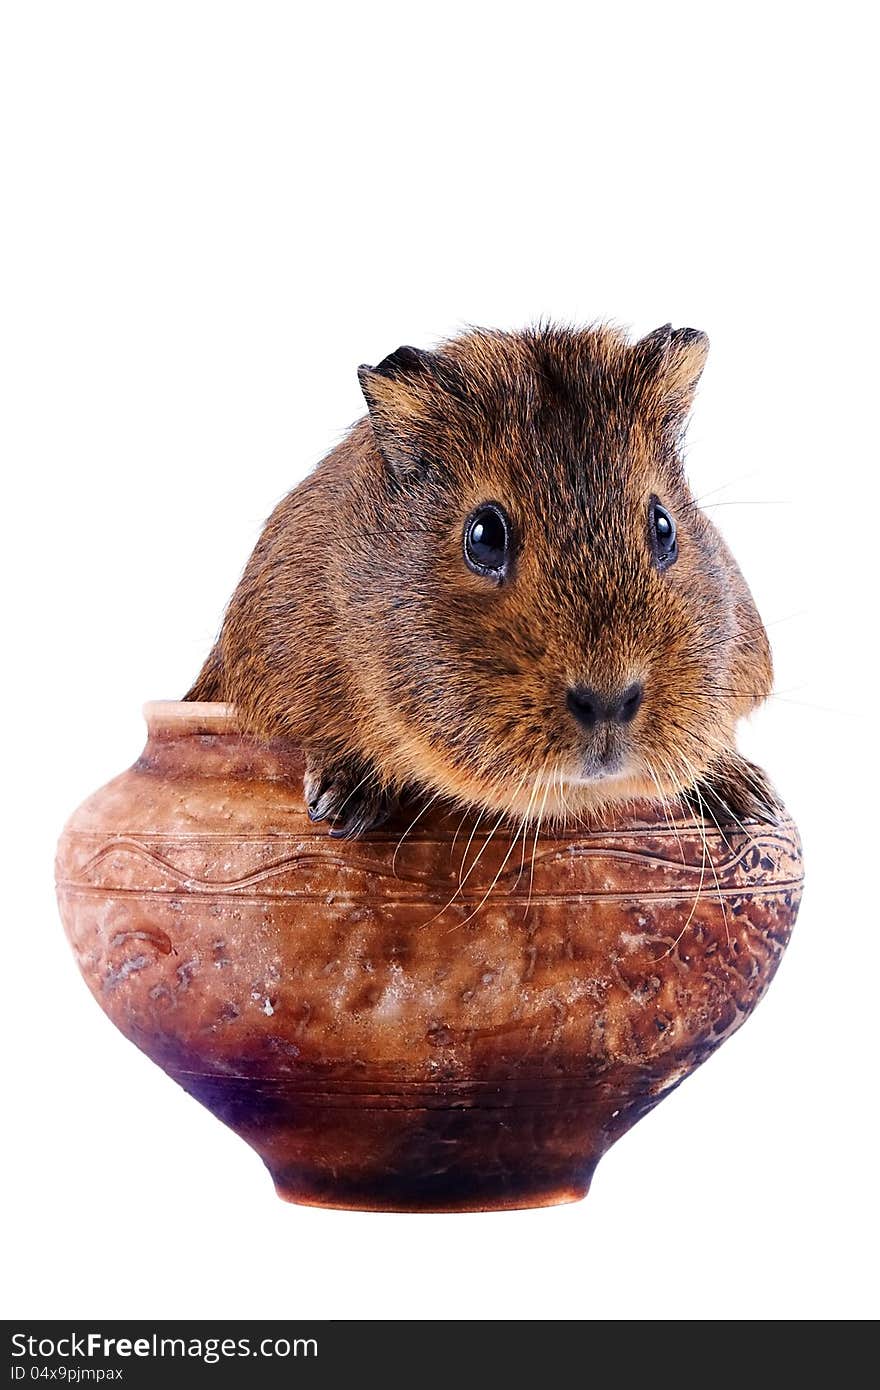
(498, 588)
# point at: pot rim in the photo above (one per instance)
(191, 716)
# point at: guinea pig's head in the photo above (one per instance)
(553, 622)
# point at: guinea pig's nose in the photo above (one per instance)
(590, 708)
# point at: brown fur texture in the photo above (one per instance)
(359, 631)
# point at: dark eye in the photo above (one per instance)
(663, 536)
(487, 540)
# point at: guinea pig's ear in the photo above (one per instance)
(670, 362)
(394, 392)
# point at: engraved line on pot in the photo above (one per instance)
(546, 857)
(589, 1094)
(588, 1091)
(537, 1081)
(381, 836)
(530, 1104)
(758, 891)
(213, 892)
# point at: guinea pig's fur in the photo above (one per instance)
(360, 631)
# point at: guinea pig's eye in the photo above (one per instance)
(663, 535)
(487, 540)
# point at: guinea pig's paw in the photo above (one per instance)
(348, 794)
(733, 790)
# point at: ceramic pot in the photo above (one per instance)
(429, 1020)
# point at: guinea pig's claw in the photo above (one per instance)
(320, 807)
(348, 796)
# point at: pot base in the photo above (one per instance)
(427, 1147)
(460, 1199)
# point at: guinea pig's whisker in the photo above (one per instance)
(729, 638)
(691, 736)
(461, 874)
(576, 813)
(569, 816)
(722, 487)
(462, 881)
(787, 617)
(733, 816)
(523, 828)
(535, 848)
(467, 811)
(690, 918)
(707, 648)
(525, 823)
(707, 810)
(416, 818)
(718, 887)
(722, 749)
(785, 700)
(510, 850)
(488, 891)
(751, 502)
(678, 790)
(664, 806)
(555, 784)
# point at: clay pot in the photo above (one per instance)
(427, 1020)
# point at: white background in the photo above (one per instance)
(213, 213)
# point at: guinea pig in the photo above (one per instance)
(499, 589)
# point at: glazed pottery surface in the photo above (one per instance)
(430, 1018)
